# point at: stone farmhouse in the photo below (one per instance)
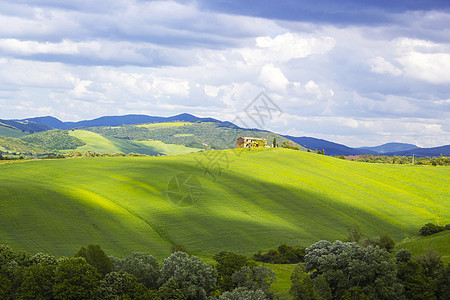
(248, 142)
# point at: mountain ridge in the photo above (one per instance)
(391, 147)
(37, 124)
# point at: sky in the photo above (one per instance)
(361, 73)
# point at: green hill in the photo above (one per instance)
(152, 139)
(207, 135)
(10, 131)
(249, 200)
(420, 245)
(107, 144)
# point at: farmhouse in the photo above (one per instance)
(247, 142)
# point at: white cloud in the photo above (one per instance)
(80, 60)
(273, 78)
(285, 47)
(431, 67)
(382, 66)
(312, 88)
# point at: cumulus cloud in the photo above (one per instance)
(431, 67)
(382, 66)
(383, 81)
(273, 78)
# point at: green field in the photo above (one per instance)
(249, 200)
(419, 245)
(106, 144)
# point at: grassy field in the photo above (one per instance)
(106, 144)
(248, 201)
(419, 245)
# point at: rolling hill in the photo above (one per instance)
(241, 200)
(176, 137)
(419, 245)
(98, 143)
(18, 128)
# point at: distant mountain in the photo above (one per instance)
(330, 148)
(25, 125)
(435, 151)
(117, 121)
(38, 124)
(391, 147)
(50, 122)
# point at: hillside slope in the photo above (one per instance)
(249, 200)
(106, 144)
(420, 245)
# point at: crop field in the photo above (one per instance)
(106, 144)
(240, 200)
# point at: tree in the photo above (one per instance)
(403, 255)
(256, 278)
(6, 286)
(302, 287)
(430, 261)
(96, 257)
(274, 143)
(349, 265)
(430, 228)
(170, 290)
(386, 242)
(177, 247)
(243, 293)
(6, 255)
(42, 258)
(443, 283)
(37, 281)
(118, 285)
(75, 279)
(354, 234)
(322, 288)
(227, 263)
(143, 266)
(195, 279)
(416, 284)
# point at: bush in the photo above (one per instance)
(430, 228)
(243, 293)
(283, 255)
(403, 255)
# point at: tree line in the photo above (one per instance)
(441, 160)
(350, 269)
(91, 274)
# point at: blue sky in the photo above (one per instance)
(354, 72)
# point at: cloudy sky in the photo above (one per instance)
(350, 71)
